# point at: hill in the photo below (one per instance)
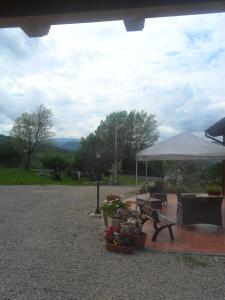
(70, 144)
(4, 138)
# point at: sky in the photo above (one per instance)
(174, 69)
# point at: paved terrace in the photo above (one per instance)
(201, 238)
(51, 249)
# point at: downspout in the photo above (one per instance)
(222, 143)
(224, 168)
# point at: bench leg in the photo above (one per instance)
(157, 231)
(171, 233)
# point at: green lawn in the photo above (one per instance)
(130, 180)
(19, 176)
(14, 176)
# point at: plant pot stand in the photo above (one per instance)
(118, 248)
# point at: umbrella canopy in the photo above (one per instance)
(185, 146)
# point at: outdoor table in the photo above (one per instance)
(155, 203)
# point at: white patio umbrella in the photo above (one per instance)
(184, 146)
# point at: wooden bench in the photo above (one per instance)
(159, 221)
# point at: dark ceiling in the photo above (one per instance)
(36, 17)
(19, 8)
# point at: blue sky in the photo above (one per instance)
(174, 69)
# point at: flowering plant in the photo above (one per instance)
(118, 236)
(109, 234)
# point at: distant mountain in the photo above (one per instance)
(70, 144)
(4, 138)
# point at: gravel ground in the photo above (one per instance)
(51, 249)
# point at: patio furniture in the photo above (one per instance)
(159, 195)
(199, 210)
(160, 222)
(156, 203)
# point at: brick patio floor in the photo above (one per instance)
(195, 238)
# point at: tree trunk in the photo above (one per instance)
(28, 160)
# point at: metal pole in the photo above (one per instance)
(97, 212)
(223, 169)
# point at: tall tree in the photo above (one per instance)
(134, 130)
(33, 130)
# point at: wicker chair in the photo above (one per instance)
(199, 210)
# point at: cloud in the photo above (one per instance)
(174, 69)
(16, 47)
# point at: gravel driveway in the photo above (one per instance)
(51, 249)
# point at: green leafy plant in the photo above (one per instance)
(110, 208)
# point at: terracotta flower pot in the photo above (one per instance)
(139, 240)
(214, 193)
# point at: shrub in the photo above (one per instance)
(56, 163)
(10, 154)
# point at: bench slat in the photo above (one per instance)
(161, 221)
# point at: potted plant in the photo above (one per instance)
(112, 197)
(113, 210)
(118, 239)
(214, 190)
(139, 237)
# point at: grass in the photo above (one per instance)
(126, 180)
(130, 180)
(194, 261)
(16, 176)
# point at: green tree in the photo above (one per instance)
(134, 130)
(33, 130)
(85, 156)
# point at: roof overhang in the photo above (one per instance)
(217, 129)
(36, 17)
